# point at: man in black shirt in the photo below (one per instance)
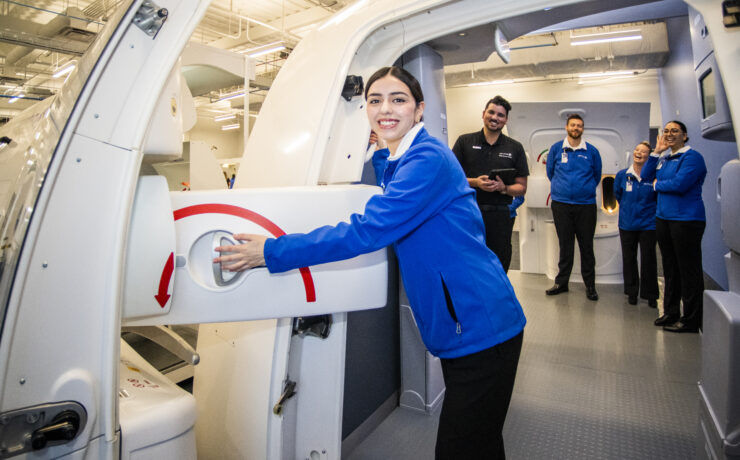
(488, 149)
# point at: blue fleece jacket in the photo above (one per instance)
(574, 174)
(461, 298)
(680, 177)
(637, 201)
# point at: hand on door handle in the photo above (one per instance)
(240, 257)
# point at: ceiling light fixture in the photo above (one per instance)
(15, 98)
(606, 40)
(64, 71)
(606, 74)
(601, 34)
(247, 18)
(229, 127)
(232, 96)
(494, 82)
(343, 14)
(267, 51)
(228, 116)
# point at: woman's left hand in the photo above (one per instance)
(240, 257)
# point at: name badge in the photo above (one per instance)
(477, 147)
(628, 187)
(564, 157)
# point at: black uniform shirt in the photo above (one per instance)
(478, 157)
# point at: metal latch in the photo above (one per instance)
(288, 392)
(316, 326)
(35, 428)
(150, 18)
(353, 86)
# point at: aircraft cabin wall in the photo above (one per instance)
(673, 94)
(680, 100)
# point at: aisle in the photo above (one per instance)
(596, 381)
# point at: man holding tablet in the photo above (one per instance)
(496, 166)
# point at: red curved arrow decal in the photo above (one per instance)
(262, 221)
(164, 281)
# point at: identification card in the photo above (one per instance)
(628, 187)
(564, 157)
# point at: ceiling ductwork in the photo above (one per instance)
(66, 33)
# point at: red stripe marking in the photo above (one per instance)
(547, 201)
(216, 208)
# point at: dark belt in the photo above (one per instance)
(494, 207)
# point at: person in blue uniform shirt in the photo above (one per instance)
(483, 151)
(574, 170)
(462, 300)
(637, 202)
(678, 172)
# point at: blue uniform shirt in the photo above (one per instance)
(462, 300)
(574, 173)
(637, 201)
(680, 178)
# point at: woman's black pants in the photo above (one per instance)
(680, 246)
(477, 397)
(642, 282)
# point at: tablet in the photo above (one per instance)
(506, 174)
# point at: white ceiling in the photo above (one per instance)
(38, 37)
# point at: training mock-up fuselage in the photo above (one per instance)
(92, 246)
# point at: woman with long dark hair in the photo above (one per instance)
(462, 300)
(679, 173)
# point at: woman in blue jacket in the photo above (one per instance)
(637, 202)
(463, 303)
(679, 175)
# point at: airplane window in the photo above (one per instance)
(608, 200)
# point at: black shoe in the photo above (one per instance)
(591, 293)
(653, 303)
(680, 327)
(557, 289)
(632, 300)
(664, 320)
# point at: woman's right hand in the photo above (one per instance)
(660, 144)
(240, 257)
(379, 143)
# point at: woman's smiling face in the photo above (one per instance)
(392, 110)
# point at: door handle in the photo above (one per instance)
(63, 427)
(221, 277)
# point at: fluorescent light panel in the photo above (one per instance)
(267, 51)
(495, 82)
(228, 127)
(232, 96)
(63, 71)
(228, 116)
(606, 40)
(606, 74)
(600, 34)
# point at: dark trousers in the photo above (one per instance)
(680, 246)
(644, 283)
(575, 221)
(497, 221)
(477, 397)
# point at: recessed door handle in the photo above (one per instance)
(221, 277)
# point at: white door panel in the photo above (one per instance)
(204, 294)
